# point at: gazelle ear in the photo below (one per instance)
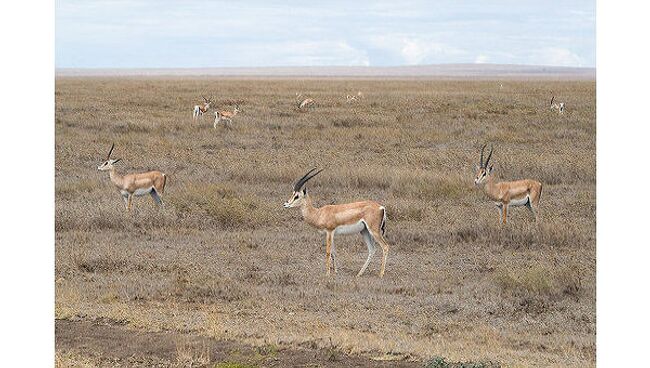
(478, 167)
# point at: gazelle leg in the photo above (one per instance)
(328, 251)
(333, 254)
(529, 204)
(129, 201)
(504, 211)
(384, 250)
(156, 197)
(371, 250)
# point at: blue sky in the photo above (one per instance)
(166, 34)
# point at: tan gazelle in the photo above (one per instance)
(557, 106)
(306, 103)
(506, 194)
(225, 115)
(199, 110)
(151, 182)
(367, 218)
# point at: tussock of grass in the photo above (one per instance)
(439, 362)
(221, 203)
(428, 187)
(71, 189)
(234, 365)
(539, 280)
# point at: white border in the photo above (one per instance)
(623, 168)
(27, 183)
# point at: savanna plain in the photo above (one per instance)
(224, 263)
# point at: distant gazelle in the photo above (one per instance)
(558, 106)
(151, 182)
(305, 103)
(367, 218)
(199, 110)
(351, 98)
(525, 192)
(225, 115)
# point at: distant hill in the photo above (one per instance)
(486, 71)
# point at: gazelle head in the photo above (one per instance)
(237, 109)
(299, 190)
(206, 102)
(484, 169)
(108, 164)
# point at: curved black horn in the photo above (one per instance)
(552, 98)
(110, 151)
(298, 185)
(489, 156)
(482, 149)
(301, 182)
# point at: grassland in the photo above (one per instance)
(224, 260)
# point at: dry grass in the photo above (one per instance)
(224, 259)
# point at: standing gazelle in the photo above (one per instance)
(199, 110)
(524, 192)
(225, 115)
(367, 218)
(151, 182)
(559, 107)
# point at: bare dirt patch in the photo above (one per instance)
(113, 344)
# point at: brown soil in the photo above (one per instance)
(113, 344)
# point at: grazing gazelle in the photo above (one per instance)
(367, 218)
(524, 192)
(199, 110)
(559, 107)
(350, 98)
(151, 182)
(305, 103)
(225, 115)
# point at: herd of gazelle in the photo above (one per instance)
(367, 218)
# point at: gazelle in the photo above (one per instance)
(350, 98)
(199, 110)
(151, 182)
(367, 218)
(524, 192)
(225, 116)
(305, 103)
(559, 107)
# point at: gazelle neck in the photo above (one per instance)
(116, 178)
(309, 212)
(490, 187)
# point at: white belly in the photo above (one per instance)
(519, 202)
(141, 192)
(350, 229)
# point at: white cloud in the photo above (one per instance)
(415, 50)
(481, 59)
(317, 53)
(556, 56)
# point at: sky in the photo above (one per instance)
(201, 34)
